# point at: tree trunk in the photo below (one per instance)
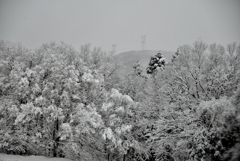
(55, 138)
(109, 157)
(124, 157)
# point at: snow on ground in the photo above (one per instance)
(5, 157)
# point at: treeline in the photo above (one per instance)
(56, 101)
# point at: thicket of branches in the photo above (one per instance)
(56, 101)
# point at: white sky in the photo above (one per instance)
(166, 23)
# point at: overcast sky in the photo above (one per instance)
(166, 23)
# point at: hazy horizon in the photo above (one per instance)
(166, 24)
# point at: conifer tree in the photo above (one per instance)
(156, 62)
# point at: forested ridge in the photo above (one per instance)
(59, 102)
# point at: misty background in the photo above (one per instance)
(166, 24)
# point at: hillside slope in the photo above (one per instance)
(128, 59)
(5, 157)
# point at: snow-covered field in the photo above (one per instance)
(5, 157)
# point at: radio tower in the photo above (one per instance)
(114, 48)
(143, 42)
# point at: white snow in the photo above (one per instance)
(5, 157)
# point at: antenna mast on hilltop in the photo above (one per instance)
(143, 42)
(114, 48)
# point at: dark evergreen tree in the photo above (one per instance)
(156, 62)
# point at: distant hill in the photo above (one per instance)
(129, 58)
